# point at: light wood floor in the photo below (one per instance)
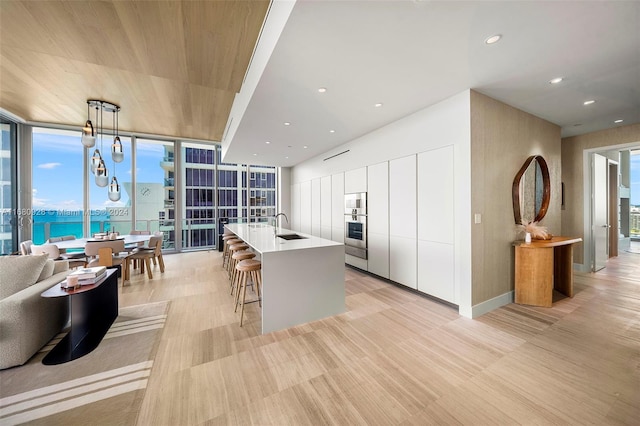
(394, 357)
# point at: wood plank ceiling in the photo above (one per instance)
(174, 67)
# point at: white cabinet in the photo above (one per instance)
(337, 207)
(435, 195)
(355, 180)
(305, 207)
(403, 221)
(378, 248)
(378, 218)
(403, 260)
(315, 207)
(436, 268)
(325, 207)
(295, 207)
(402, 197)
(436, 237)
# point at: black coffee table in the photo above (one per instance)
(93, 309)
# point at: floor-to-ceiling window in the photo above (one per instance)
(8, 193)
(155, 188)
(262, 193)
(634, 195)
(194, 186)
(199, 207)
(57, 184)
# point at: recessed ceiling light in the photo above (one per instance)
(493, 39)
(267, 142)
(332, 131)
(589, 102)
(618, 121)
(286, 157)
(556, 80)
(286, 123)
(322, 89)
(378, 105)
(305, 147)
(255, 155)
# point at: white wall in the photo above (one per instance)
(444, 124)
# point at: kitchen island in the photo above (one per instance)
(302, 279)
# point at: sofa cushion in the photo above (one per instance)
(47, 270)
(19, 272)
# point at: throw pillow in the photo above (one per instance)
(47, 270)
(19, 272)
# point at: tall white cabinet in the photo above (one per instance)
(403, 221)
(378, 218)
(325, 207)
(315, 207)
(337, 207)
(436, 236)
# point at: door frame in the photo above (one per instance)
(587, 210)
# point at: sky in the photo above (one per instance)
(58, 153)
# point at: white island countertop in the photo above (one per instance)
(261, 238)
(302, 280)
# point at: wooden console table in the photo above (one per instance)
(541, 266)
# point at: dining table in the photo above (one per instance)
(80, 243)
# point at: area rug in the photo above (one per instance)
(104, 387)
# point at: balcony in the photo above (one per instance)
(169, 183)
(167, 164)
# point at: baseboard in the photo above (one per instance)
(487, 306)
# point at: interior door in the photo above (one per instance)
(600, 208)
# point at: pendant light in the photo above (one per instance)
(97, 163)
(117, 153)
(114, 189)
(88, 132)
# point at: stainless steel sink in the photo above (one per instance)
(291, 237)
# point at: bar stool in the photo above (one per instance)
(225, 253)
(232, 249)
(237, 257)
(246, 268)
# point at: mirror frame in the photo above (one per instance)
(546, 192)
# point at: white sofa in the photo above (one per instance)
(29, 321)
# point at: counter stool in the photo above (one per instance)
(228, 241)
(237, 257)
(232, 249)
(246, 268)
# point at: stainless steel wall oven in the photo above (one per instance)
(355, 226)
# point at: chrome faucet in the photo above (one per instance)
(275, 222)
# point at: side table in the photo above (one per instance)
(93, 309)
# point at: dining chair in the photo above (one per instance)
(107, 253)
(70, 254)
(25, 247)
(152, 251)
(54, 253)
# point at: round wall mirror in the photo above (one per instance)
(531, 191)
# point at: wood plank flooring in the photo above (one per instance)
(394, 358)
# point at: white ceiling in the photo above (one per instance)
(412, 54)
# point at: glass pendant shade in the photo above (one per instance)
(117, 153)
(114, 189)
(96, 158)
(102, 175)
(88, 135)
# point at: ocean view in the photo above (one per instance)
(57, 223)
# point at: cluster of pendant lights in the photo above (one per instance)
(89, 136)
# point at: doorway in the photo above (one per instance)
(612, 211)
